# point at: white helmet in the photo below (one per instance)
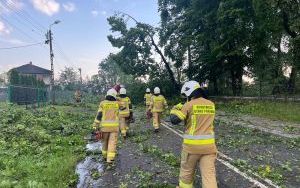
(156, 90)
(112, 92)
(122, 91)
(122, 86)
(188, 87)
(148, 90)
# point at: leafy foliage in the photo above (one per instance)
(24, 80)
(69, 79)
(40, 148)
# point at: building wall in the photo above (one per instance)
(45, 77)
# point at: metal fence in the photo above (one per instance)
(3, 94)
(64, 96)
(24, 95)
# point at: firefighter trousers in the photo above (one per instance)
(156, 119)
(109, 145)
(124, 126)
(207, 169)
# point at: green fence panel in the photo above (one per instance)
(24, 95)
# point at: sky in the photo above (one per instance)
(80, 39)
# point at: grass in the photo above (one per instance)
(41, 147)
(285, 111)
(264, 160)
(143, 179)
(264, 171)
(168, 158)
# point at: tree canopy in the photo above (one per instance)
(219, 42)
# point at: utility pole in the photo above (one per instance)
(49, 39)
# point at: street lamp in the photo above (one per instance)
(56, 22)
(49, 41)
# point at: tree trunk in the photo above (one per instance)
(236, 77)
(189, 73)
(292, 80)
(167, 65)
(277, 68)
(233, 83)
(294, 35)
(216, 88)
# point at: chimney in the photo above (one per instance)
(30, 63)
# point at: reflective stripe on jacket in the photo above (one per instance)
(124, 106)
(110, 116)
(198, 115)
(158, 103)
(147, 98)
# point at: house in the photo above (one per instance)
(33, 70)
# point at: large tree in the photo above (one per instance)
(69, 78)
(137, 45)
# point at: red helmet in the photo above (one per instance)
(117, 87)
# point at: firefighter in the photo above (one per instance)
(117, 88)
(125, 113)
(157, 105)
(199, 141)
(77, 96)
(147, 98)
(108, 119)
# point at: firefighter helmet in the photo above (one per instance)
(156, 90)
(122, 91)
(112, 92)
(188, 88)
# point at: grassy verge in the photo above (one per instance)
(267, 155)
(288, 111)
(40, 148)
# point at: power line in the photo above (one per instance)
(12, 6)
(19, 17)
(17, 28)
(24, 12)
(23, 46)
(63, 54)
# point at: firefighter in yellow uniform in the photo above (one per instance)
(77, 96)
(199, 141)
(158, 104)
(125, 111)
(108, 119)
(147, 98)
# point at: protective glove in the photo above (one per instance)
(95, 126)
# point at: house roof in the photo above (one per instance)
(32, 69)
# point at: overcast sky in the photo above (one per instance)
(80, 38)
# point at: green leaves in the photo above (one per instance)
(135, 57)
(40, 148)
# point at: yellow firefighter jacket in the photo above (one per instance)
(198, 115)
(77, 95)
(124, 106)
(158, 103)
(147, 98)
(110, 116)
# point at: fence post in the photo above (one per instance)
(38, 96)
(9, 93)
